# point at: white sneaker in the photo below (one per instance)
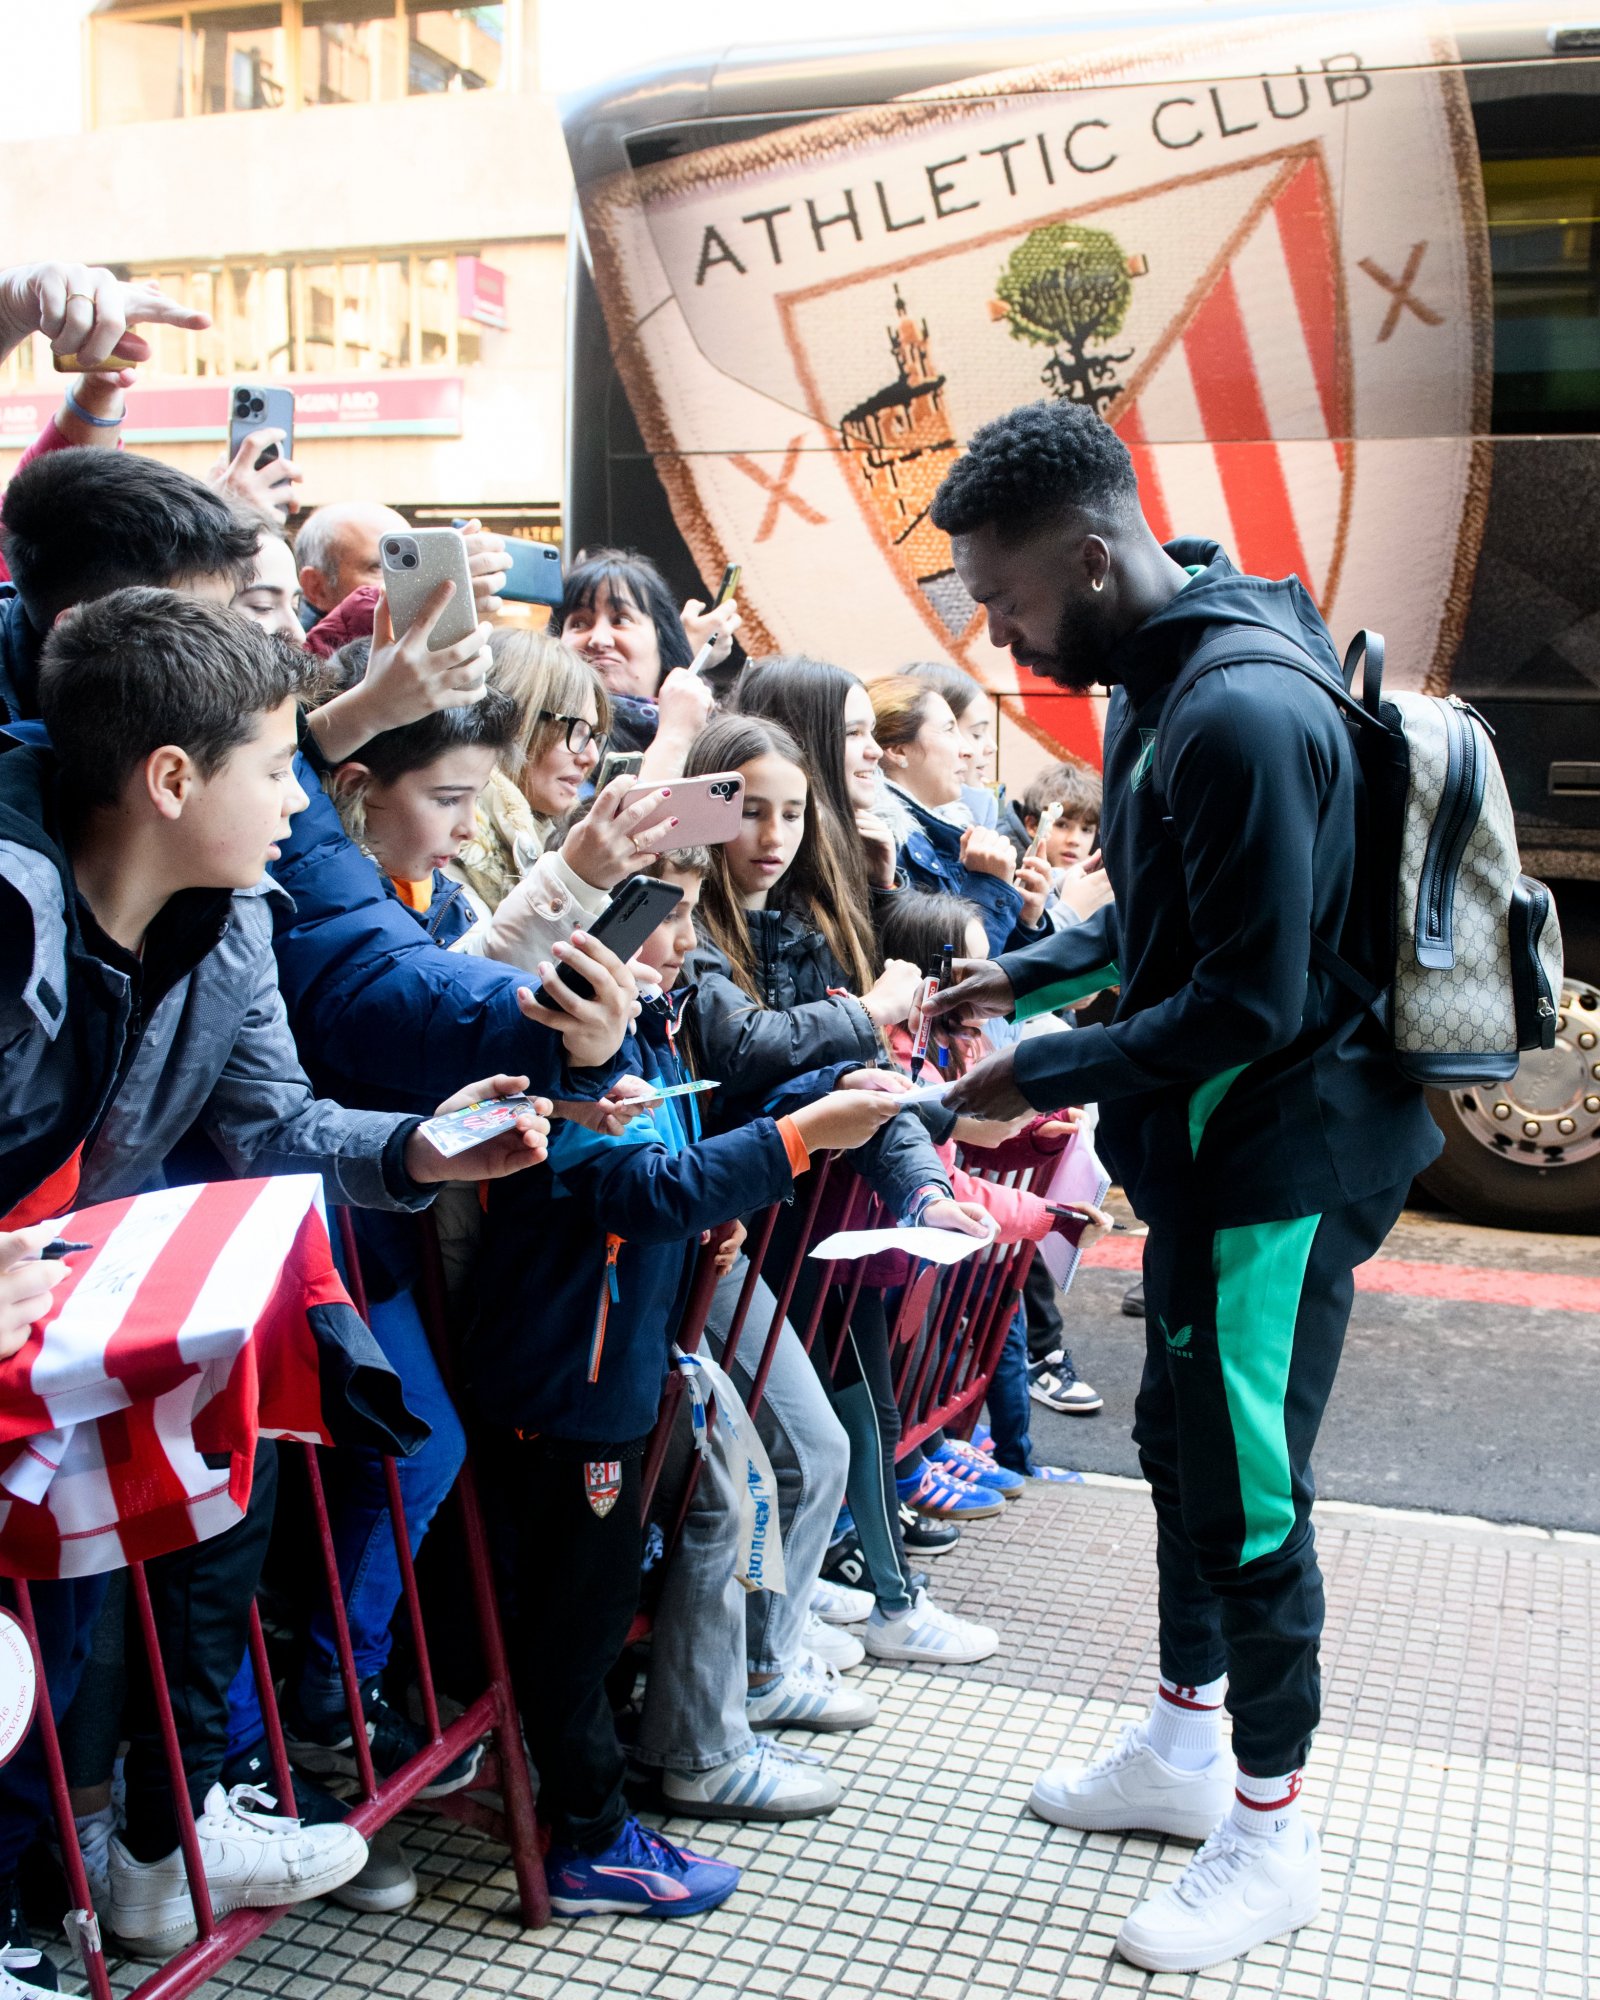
(17, 1965)
(810, 1695)
(253, 1860)
(838, 1604)
(833, 1643)
(769, 1781)
(1130, 1788)
(95, 1830)
(928, 1635)
(1235, 1893)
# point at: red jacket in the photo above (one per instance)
(353, 619)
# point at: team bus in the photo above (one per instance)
(1335, 279)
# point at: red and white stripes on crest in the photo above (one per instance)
(182, 1332)
(1241, 431)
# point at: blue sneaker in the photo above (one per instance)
(1059, 1474)
(641, 1874)
(957, 1459)
(932, 1492)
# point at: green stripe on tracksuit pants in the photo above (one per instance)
(1243, 1332)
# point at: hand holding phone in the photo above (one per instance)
(627, 920)
(414, 564)
(260, 408)
(707, 810)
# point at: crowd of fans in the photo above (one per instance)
(278, 884)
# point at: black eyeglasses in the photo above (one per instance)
(580, 732)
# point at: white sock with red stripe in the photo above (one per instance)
(1267, 1808)
(1185, 1726)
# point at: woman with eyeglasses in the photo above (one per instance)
(539, 882)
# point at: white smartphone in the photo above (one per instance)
(414, 562)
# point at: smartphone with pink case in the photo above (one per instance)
(707, 809)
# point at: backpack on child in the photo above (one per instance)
(1460, 952)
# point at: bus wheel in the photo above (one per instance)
(1526, 1154)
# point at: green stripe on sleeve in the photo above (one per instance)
(1048, 998)
(1206, 1099)
(1261, 1272)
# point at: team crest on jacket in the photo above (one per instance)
(1271, 279)
(602, 1482)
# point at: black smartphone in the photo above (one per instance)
(639, 904)
(258, 408)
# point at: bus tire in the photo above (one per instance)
(1484, 1174)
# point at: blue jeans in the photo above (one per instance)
(1008, 1399)
(369, 1570)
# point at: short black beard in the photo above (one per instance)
(1081, 649)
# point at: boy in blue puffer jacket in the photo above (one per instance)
(582, 1287)
(409, 799)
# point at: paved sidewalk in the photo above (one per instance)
(1453, 1781)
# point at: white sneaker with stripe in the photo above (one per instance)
(810, 1695)
(769, 1782)
(838, 1604)
(927, 1636)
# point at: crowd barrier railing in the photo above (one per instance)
(946, 1335)
(491, 1715)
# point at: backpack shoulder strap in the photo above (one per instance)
(1238, 645)
(1245, 645)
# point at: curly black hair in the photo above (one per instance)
(1031, 464)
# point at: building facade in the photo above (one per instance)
(370, 198)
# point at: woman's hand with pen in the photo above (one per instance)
(26, 1283)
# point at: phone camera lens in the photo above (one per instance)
(391, 548)
(410, 562)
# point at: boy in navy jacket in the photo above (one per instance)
(581, 1287)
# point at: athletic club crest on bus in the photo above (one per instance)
(1270, 278)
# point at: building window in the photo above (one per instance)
(339, 316)
(157, 62)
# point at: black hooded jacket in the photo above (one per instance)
(1237, 1083)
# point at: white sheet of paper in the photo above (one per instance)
(924, 1093)
(937, 1246)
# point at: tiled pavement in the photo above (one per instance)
(1453, 1781)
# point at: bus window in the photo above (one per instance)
(1541, 181)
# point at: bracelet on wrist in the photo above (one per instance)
(88, 416)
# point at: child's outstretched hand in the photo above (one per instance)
(592, 1025)
(965, 1217)
(1035, 879)
(523, 1145)
(844, 1119)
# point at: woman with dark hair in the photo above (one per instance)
(784, 1000)
(830, 712)
(617, 613)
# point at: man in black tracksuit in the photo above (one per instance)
(1252, 1112)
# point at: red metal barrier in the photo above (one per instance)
(491, 1714)
(946, 1336)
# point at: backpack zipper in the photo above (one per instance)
(609, 1294)
(1458, 806)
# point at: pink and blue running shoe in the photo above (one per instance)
(963, 1462)
(641, 1874)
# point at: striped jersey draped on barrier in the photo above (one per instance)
(199, 1319)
